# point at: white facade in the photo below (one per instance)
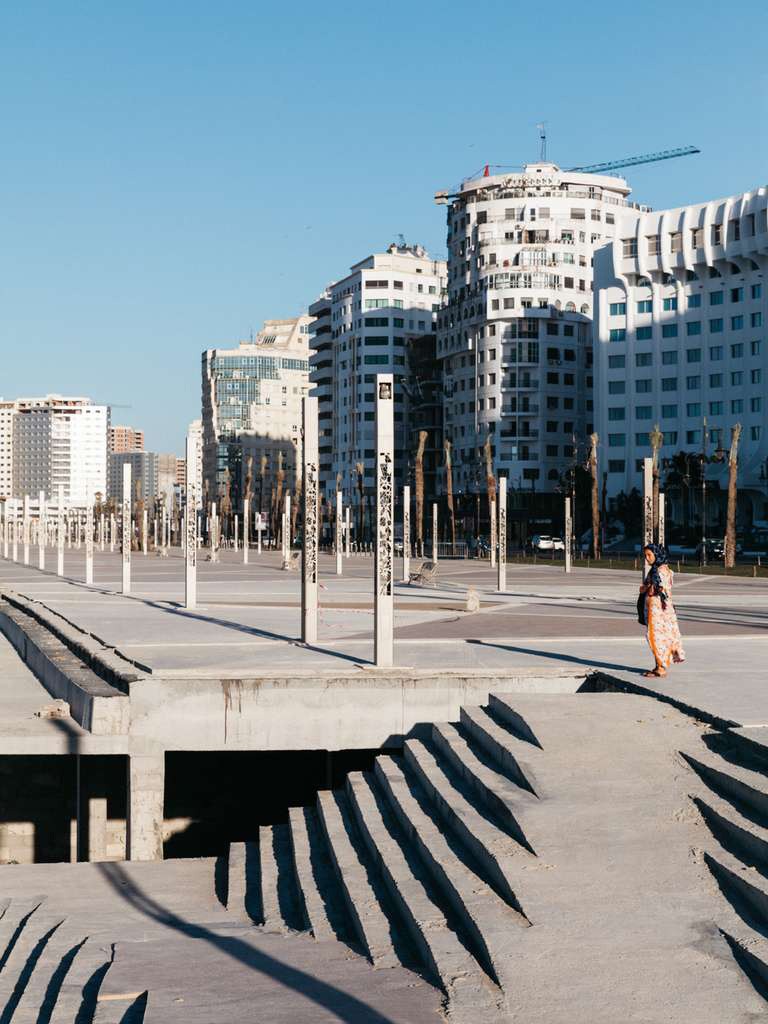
(681, 339)
(7, 410)
(515, 336)
(359, 329)
(60, 440)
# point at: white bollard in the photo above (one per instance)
(384, 557)
(493, 537)
(347, 533)
(127, 527)
(406, 534)
(190, 561)
(502, 535)
(144, 531)
(236, 531)
(309, 573)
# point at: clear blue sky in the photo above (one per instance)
(173, 173)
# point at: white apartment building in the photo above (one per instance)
(360, 326)
(251, 394)
(60, 440)
(515, 336)
(7, 410)
(681, 329)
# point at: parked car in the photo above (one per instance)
(543, 542)
(716, 549)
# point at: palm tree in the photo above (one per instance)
(730, 520)
(657, 440)
(449, 492)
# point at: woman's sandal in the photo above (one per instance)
(654, 674)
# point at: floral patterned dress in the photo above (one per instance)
(663, 632)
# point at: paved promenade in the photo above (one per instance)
(247, 623)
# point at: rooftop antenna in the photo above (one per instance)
(542, 126)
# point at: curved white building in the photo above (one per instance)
(516, 334)
(681, 321)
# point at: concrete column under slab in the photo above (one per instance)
(406, 533)
(502, 559)
(384, 607)
(127, 528)
(146, 793)
(309, 573)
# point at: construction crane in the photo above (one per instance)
(633, 161)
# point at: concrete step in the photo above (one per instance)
(16, 916)
(79, 990)
(129, 1009)
(505, 800)
(488, 920)
(744, 887)
(23, 956)
(497, 855)
(49, 974)
(730, 780)
(371, 924)
(507, 751)
(450, 963)
(319, 890)
(280, 896)
(741, 837)
(502, 706)
(750, 951)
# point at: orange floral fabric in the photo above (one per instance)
(662, 632)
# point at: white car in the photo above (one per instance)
(543, 542)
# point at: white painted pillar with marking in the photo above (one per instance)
(144, 531)
(287, 528)
(190, 553)
(406, 534)
(339, 532)
(434, 531)
(501, 564)
(347, 533)
(236, 530)
(309, 573)
(25, 529)
(647, 508)
(15, 537)
(493, 537)
(568, 534)
(384, 551)
(89, 545)
(112, 531)
(662, 516)
(127, 528)
(246, 528)
(42, 528)
(5, 529)
(102, 531)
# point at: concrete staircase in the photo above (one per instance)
(521, 859)
(734, 807)
(51, 972)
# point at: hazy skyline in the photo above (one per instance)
(171, 176)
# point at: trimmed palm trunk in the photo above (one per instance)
(449, 493)
(730, 519)
(490, 479)
(657, 440)
(423, 435)
(594, 441)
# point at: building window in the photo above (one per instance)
(697, 237)
(642, 440)
(615, 387)
(716, 298)
(737, 294)
(693, 355)
(754, 348)
(614, 363)
(617, 440)
(755, 404)
(616, 465)
(715, 380)
(618, 308)
(676, 241)
(737, 378)
(669, 412)
(669, 358)
(692, 383)
(693, 327)
(756, 291)
(716, 326)
(616, 412)
(737, 350)
(643, 387)
(669, 383)
(693, 409)
(643, 358)
(694, 301)
(654, 246)
(617, 334)
(692, 436)
(717, 234)
(716, 352)
(715, 408)
(645, 306)
(629, 247)
(669, 330)
(670, 303)
(643, 412)
(756, 320)
(644, 333)
(756, 376)
(754, 433)
(737, 405)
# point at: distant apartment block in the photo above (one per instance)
(144, 475)
(126, 439)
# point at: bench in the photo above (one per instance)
(426, 575)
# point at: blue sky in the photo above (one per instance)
(172, 174)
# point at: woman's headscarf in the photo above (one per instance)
(654, 576)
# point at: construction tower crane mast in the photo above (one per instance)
(633, 161)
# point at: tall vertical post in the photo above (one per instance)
(493, 532)
(144, 531)
(236, 532)
(112, 531)
(15, 536)
(287, 528)
(568, 534)
(406, 533)
(5, 529)
(384, 603)
(42, 529)
(339, 531)
(309, 558)
(347, 533)
(434, 531)
(89, 545)
(259, 531)
(78, 528)
(662, 527)
(246, 528)
(127, 528)
(25, 529)
(190, 555)
(501, 563)
(59, 530)
(647, 507)
(102, 531)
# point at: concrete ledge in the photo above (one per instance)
(599, 682)
(94, 704)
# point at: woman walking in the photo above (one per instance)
(662, 631)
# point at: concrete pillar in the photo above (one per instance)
(236, 531)
(647, 507)
(112, 531)
(144, 531)
(568, 534)
(384, 604)
(502, 534)
(78, 528)
(246, 528)
(662, 516)
(190, 555)
(339, 531)
(347, 533)
(213, 537)
(102, 531)
(287, 528)
(89, 545)
(406, 533)
(493, 537)
(60, 531)
(5, 529)
(127, 527)
(15, 537)
(259, 531)
(434, 531)
(42, 530)
(310, 496)
(146, 792)
(25, 529)
(154, 532)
